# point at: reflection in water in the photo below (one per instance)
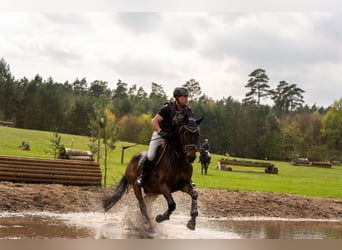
(283, 229)
(122, 226)
(14, 226)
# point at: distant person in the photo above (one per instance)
(206, 147)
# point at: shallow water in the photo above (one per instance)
(99, 225)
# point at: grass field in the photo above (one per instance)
(308, 181)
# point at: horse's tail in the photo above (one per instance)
(120, 189)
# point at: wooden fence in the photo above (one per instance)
(38, 170)
(269, 168)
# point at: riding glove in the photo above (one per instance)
(163, 134)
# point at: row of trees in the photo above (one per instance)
(284, 130)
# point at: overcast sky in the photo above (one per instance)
(217, 49)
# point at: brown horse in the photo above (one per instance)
(173, 172)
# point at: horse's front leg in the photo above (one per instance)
(171, 207)
(193, 212)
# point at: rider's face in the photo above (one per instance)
(182, 100)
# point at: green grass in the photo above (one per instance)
(307, 181)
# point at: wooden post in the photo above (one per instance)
(122, 154)
(123, 151)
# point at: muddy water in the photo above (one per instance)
(38, 226)
(121, 225)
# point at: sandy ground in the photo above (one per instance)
(20, 197)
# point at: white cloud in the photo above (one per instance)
(218, 49)
(139, 22)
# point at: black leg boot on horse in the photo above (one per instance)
(146, 167)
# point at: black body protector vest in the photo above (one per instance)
(173, 117)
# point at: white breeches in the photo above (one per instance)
(156, 140)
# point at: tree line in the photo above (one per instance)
(249, 128)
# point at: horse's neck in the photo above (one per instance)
(174, 144)
(175, 148)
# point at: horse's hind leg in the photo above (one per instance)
(193, 212)
(142, 205)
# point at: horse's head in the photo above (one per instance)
(189, 133)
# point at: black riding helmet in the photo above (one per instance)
(180, 91)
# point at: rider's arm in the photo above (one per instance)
(156, 121)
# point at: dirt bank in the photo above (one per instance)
(19, 197)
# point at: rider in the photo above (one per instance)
(164, 123)
(206, 147)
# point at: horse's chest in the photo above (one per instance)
(173, 174)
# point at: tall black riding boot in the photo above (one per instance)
(147, 165)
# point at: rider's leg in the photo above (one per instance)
(148, 163)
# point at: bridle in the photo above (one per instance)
(191, 146)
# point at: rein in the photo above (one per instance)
(162, 154)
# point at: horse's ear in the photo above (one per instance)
(199, 120)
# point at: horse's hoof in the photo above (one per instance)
(191, 225)
(159, 218)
